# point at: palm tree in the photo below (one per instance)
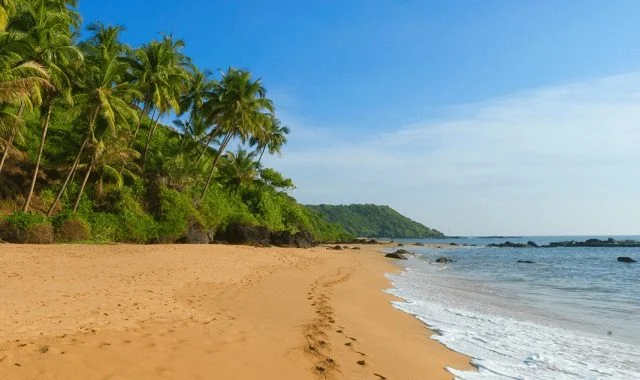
(49, 25)
(158, 70)
(274, 138)
(240, 109)
(239, 169)
(103, 98)
(20, 84)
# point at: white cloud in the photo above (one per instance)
(558, 160)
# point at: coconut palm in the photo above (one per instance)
(49, 25)
(273, 139)
(158, 70)
(240, 109)
(239, 169)
(20, 84)
(103, 98)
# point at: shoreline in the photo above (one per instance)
(183, 311)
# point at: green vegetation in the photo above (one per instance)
(85, 153)
(374, 221)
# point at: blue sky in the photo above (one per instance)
(464, 115)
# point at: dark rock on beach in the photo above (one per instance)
(419, 244)
(625, 259)
(245, 234)
(444, 260)
(396, 255)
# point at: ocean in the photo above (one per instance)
(572, 314)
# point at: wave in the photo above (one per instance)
(503, 347)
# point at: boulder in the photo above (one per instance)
(304, 239)
(532, 244)
(396, 255)
(283, 239)
(245, 234)
(625, 259)
(400, 245)
(403, 252)
(336, 248)
(526, 262)
(444, 260)
(419, 244)
(196, 234)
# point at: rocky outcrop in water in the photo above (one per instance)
(444, 260)
(610, 243)
(625, 259)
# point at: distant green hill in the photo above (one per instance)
(374, 221)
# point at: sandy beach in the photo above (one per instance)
(207, 312)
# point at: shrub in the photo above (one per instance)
(26, 228)
(73, 230)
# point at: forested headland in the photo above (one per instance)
(367, 220)
(86, 154)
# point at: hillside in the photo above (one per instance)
(374, 221)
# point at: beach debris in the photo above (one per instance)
(444, 260)
(625, 259)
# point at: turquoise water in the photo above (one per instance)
(574, 313)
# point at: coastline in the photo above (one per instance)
(196, 311)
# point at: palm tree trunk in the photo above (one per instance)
(145, 110)
(45, 128)
(5, 154)
(211, 136)
(84, 183)
(226, 140)
(68, 179)
(261, 154)
(14, 132)
(149, 136)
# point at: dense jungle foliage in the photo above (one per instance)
(85, 153)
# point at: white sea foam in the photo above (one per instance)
(504, 347)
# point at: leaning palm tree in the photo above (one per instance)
(273, 139)
(158, 69)
(49, 25)
(240, 109)
(20, 85)
(103, 98)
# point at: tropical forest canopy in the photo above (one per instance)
(374, 221)
(85, 152)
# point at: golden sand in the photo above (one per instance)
(207, 312)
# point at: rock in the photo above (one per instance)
(245, 234)
(403, 252)
(304, 239)
(356, 248)
(532, 244)
(400, 245)
(508, 244)
(454, 244)
(444, 260)
(372, 241)
(625, 259)
(419, 244)
(396, 255)
(336, 248)
(526, 262)
(196, 234)
(283, 239)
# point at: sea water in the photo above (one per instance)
(572, 314)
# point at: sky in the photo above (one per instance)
(472, 117)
